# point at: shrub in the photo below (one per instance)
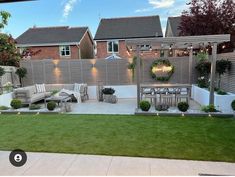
(2, 71)
(34, 107)
(233, 105)
(209, 108)
(221, 92)
(16, 104)
(162, 107)
(54, 92)
(51, 105)
(145, 105)
(4, 108)
(108, 91)
(183, 106)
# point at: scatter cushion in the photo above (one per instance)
(40, 88)
(77, 87)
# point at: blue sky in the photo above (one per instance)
(84, 12)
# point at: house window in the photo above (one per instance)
(65, 51)
(113, 46)
(145, 47)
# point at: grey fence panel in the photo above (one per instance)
(110, 72)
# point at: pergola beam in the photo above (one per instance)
(190, 40)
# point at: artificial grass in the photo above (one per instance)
(178, 138)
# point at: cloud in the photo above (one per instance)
(161, 3)
(156, 4)
(144, 10)
(68, 7)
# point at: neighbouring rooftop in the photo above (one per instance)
(129, 27)
(52, 35)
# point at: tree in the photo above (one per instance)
(9, 55)
(4, 16)
(208, 17)
(21, 72)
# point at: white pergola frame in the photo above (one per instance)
(181, 42)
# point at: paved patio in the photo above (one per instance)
(71, 164)
(123, 107)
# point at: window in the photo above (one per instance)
(145, 47)
(113, 46)
(65, 50)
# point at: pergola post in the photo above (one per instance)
(190, 64)
(138, 75)
(213, 70)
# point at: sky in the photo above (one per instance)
(43, 13)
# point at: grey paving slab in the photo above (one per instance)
(7, 169)
(127, 166)
(86, 165)
(90, 166)
(123, 106)
(51, 164)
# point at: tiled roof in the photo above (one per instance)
(129, 27)
(51, 35)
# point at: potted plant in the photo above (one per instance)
(108, 95)
(21, 72)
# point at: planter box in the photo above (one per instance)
(5, 99)
(222, 102)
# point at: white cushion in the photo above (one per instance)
(77, 87)
(40, 88)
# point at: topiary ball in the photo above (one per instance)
(233, 105)
(16, 104)
(183, 106)
(145, 105)
(51, 105)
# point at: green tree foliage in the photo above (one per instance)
(4, 17)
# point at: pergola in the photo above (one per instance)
(183, 42)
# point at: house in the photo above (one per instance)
(57, 42)
(172, 27)
(112, 34)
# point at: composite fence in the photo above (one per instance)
(110, 72)
(228, 79)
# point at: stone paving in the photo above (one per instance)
(70, 164)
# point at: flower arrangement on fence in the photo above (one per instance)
(8, 87)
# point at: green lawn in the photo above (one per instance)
(177, 138)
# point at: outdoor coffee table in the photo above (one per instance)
(58, 99)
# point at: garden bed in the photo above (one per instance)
(5, 99)
(222, 102)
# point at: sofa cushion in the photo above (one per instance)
(40, 88)
(77, 87)
(37, 97)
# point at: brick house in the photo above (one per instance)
(57, 42)
(112, 33)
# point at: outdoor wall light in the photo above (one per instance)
(93, 65)
(131, 49)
